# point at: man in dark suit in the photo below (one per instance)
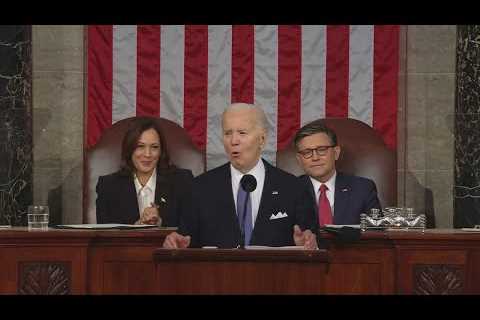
(278, 213)
(338, 198)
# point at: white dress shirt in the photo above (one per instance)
(330, 192)
(146, 194)
(255, 196)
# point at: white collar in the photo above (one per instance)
(151, 183)
(330, 183)
(256, 171)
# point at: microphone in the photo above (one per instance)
(248, 184)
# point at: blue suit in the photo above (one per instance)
(353, 196)
(213, 220)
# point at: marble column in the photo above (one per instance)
(426, 122)
(15, 124)
(58, 77)
(467, 128)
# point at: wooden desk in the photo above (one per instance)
(405, 262)
(98, 262)
(437, 261)
(78, 261)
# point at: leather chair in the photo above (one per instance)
(105, 157)
(363, 153)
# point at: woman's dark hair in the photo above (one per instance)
(130, 141)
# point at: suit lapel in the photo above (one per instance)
(129, 193)
(227, 192)
(308, 182)
(163, 192)
(342, 195)
(311, 192)
(266, 201)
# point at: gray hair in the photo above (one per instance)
(259, 113)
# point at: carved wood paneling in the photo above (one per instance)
(438, 279)
(49, 278)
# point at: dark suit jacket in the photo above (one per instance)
(214, 222)
(353, 196)
(117, 201)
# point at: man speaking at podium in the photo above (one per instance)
(246, 201)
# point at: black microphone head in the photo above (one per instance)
(248, 183)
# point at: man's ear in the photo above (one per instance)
(299, 159)
(263, 139)
(337, 150)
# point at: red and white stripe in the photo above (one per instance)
(171, 73)
(189, 74)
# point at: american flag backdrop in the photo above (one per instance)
(190, 73)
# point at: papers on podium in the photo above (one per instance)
(471, 229)
(263, 247)
(104, 226)
(274, 248)
(338, 226)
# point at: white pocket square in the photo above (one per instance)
(279, 215)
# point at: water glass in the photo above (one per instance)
(37, 218)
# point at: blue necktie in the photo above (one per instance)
(247, 224)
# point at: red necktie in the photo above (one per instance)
(324, 209)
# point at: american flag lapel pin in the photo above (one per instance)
(274, 192)
(344, 189)
(163, 200)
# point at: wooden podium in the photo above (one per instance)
(131, 262)
(240, 271)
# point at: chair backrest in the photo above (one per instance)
(105, 157)
(363, 153)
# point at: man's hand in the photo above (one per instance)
(150, 215)
(175, 241)
(306, 238)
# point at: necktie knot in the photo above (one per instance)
(323, 188)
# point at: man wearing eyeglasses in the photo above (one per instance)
(338, 198)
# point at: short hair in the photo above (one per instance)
(130, 140)
(260, 114)
(316, 126)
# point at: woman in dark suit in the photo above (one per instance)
(148, 189)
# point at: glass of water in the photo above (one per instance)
(37, 218)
